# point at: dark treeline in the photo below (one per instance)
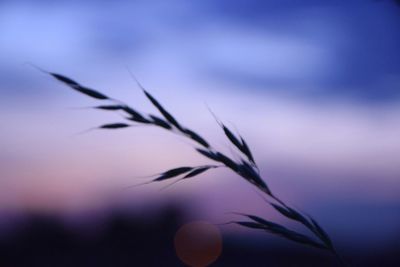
(126, 240)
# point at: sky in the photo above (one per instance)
(313, 87)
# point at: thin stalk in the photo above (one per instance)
(245, 166)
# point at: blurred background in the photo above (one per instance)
(313, 86)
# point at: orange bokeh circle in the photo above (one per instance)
(198, 244)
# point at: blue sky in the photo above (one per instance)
(334, 49)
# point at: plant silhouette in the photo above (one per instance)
(245, 166)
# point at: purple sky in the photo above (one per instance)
(314, 88)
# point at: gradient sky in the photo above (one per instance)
(313, 86)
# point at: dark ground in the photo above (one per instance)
(124, 240)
